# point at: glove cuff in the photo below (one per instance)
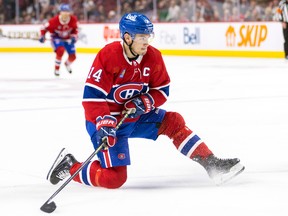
(147, 102)
(106, 121)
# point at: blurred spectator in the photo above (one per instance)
(244, 5)
(139, 7)
(184, 15)
(112, 17)
(217, 17)
(127, 8)
(96, 12)
(254, 12)
(2, 12)
(39, 11)
(268, 14)
(191, 9)
(162, 10)
(208, 11)
(198, 17)
(101, 13)
(173, 12)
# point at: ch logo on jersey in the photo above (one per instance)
(125, 92)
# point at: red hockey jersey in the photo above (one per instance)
(114, 79)
(60, 30)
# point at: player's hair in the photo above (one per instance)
(135, 23)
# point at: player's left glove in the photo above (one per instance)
(105, 127)
(138, 106)
(73, 40)
(42, 39)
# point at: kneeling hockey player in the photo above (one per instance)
(130, 75)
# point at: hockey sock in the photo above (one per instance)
(57, 64)
(71, 59)
(59, 53)
(185, 140)
(94, 175)
(202, 150)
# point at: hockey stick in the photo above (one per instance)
(49, 206)
(11, 37)
(29, 38)
(23, 38)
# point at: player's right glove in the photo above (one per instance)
(138, 106)
(42, 39)
(105, 127)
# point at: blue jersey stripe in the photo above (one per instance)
(165, 90)
(90, 92)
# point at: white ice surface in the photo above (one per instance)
(237, 106)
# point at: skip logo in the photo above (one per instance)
(191, 37)
(248, 36)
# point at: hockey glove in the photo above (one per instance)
(106, 130)
(42, 39)
(138, 106)
(73, 40)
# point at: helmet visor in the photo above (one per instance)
(144, 38)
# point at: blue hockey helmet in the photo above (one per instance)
(64, 7)
(135, 23)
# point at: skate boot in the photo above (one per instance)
(56, 72)
(220, 170)
(61, 167)
(68, 68)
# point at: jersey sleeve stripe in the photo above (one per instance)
(97, 88)
(161, 87)
(163, 90)
(90, 92)
(164, 93)
(93, 100)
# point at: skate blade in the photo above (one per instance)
(222, 178)
(59, 158)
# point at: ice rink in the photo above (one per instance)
(239, 107)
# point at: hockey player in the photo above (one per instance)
(63, 29)
(131, 76)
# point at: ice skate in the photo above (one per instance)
(56, 72)
(61, 167)
(220, 170)
(68, 68)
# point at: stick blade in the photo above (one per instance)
(48, 207)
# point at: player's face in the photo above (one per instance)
(65, 16)
(141, 43)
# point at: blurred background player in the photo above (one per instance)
(63, 30)
(130, 75)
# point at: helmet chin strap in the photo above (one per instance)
(130, 48)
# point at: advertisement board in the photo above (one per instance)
(243, 39)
